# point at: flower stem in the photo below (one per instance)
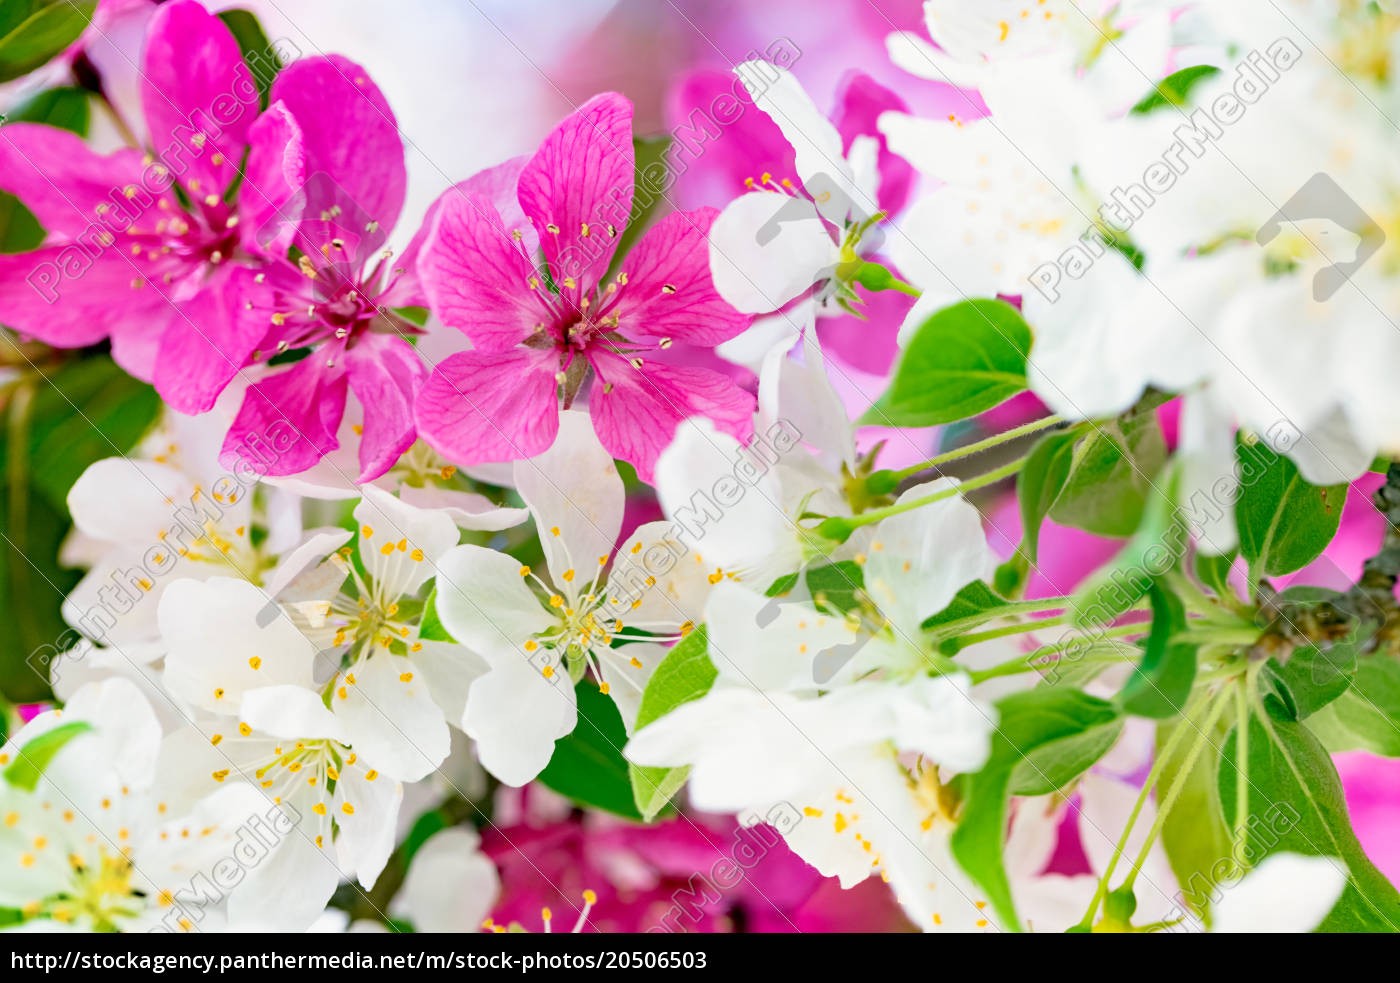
(970, 449)
(1027, 662)
(838, 528)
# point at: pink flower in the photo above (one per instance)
(539, 334)
(330, 133)
(124, 255)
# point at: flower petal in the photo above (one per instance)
(637, 417)
(390, 717)
(515, 715)
(386, 373)
(479, 407)
(476, 277)
(400, 545)
(484, 602)
(579, 184)
(226, 637)
(576, 496)
(349, 134)
(669, 293)
(203, 350)
(766, 249)
(288, 420)
(198, 95)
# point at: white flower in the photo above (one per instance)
(539, 634)
(1120, 48)
(389, 687)
(773, 244)
(1287, 892)
(92, 845)
(284, 742)
(451, 885)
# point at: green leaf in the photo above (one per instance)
(1309, 680)
(1154, 549)
(1175, 88)
(1194, 833)
(1030, 722)
(34, 757)
(1284, 522)
(1162, 681)
(685, 674)
(976, 600)
(1112, 475)
(431, 627)
(1052, 767)
(20, 231)
(43, 35)
(1294, 804)
(1367, 716)
(834, 585)
(258, 53)
(1214, 571)
(88, 410)
(963, 360)
(587, 765)
(66, 108)
(1046, 470)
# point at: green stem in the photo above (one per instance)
(1159, 764)
(1027, 662)
(1164, 807)
(1241, 837)
(951, 628)
(1018, 628)
(905, 288)
(968, 450)
(839, 527)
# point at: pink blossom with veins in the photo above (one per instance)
(123, 255)
(539, 334)
(330, 134)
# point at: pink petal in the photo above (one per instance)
(288, 421)
(198, 95)
(349, 133)
(59, 179)
(75, 295)
(723, 138)
(479, 407)
(495, 184)
(579, 183)
(859, 102)
(276, 170)
(475, 276)
(202, 351)
(637, 419)
(669, 293)
(385, 375)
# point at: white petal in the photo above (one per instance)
(314, 546)
(1288, 892)
(801, 394)
(766, 249)
(654, 584)
(449, 670)
(703, 468)
(772, 643)
(576, 496)
(468, 509)
(125, 501)
(290, 712)
(920, 559)
(451, 885)
(399, 544)
(515, 715)
(816, 145)
(484, 602)
(218, 630)
(367, 832)
(390, 718)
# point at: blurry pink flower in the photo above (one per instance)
(537, 332)
(667, 875)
